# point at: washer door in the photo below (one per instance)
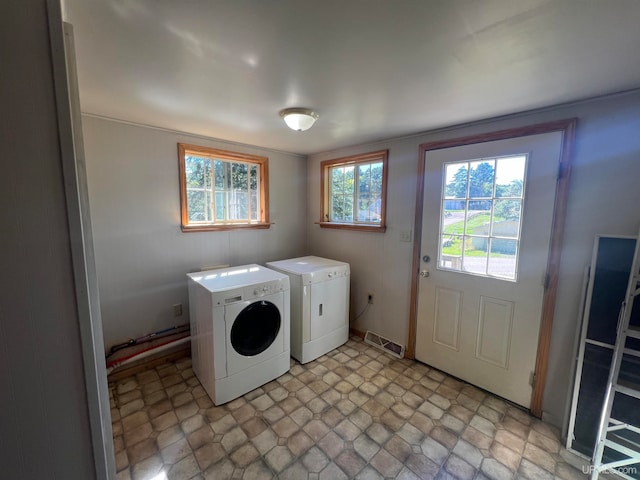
(255, 328)
(255, 331)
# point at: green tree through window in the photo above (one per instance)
(354, 190)
(481, 216)
(221, 189)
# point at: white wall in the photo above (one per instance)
(142, 256)
(604, 199)
(44, 414)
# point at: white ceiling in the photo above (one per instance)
(371, 69)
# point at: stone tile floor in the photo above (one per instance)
(353, 413)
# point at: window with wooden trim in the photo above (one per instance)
(353, 192)
(222, 190)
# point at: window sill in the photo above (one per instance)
(353, 226)
(230, 226)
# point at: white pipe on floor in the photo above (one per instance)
(148, 353)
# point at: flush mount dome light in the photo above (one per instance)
(299, 119)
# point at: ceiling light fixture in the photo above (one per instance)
(299, 119)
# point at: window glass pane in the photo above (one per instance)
(376, 177)
(506, 218)
(342, 180)
(510, 176)
(451, 252)
(363, 200)
(364, 204)
(475, 255)
(364, 179)
(478, 217)
(453, 215)
(194, 169)
(337, 180)
(239, 176)
(207, 173)
(255, 178)
(370, 209)
(253, 183)
(254, 205)
(456, 175)
(220, 207)
(502, 260)
(349, 186)
(337, 208)
(243, 205)
(195, 200)
(237, 202)
(218, 168)
(208, 209)
(375, 207)
(481, 178)
(348, 208)
(231, 205)
(208, 190)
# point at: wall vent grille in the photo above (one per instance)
(383, 343)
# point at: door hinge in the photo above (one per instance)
(532, 379)
(545, 282)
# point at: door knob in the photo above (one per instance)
(424, 273)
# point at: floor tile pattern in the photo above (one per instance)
(354, 413)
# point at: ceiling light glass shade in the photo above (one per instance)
(299, 119)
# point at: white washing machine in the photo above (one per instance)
(319, 304)
(239, 329)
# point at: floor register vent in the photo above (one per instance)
(385, 344)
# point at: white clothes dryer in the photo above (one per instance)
(240, 324)
(319, 304)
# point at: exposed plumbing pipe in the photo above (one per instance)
(147, 338)
(111, 366)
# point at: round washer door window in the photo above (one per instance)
(255, 328)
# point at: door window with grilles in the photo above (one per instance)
(481, 216)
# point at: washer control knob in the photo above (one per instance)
(265, 289)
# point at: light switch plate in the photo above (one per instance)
(405, 236)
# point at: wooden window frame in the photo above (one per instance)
(225, 155)
(382, 156)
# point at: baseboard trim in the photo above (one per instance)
(354, 332)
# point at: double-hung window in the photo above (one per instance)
(222, 190)
(354, 192)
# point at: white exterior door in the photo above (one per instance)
(486, 227)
